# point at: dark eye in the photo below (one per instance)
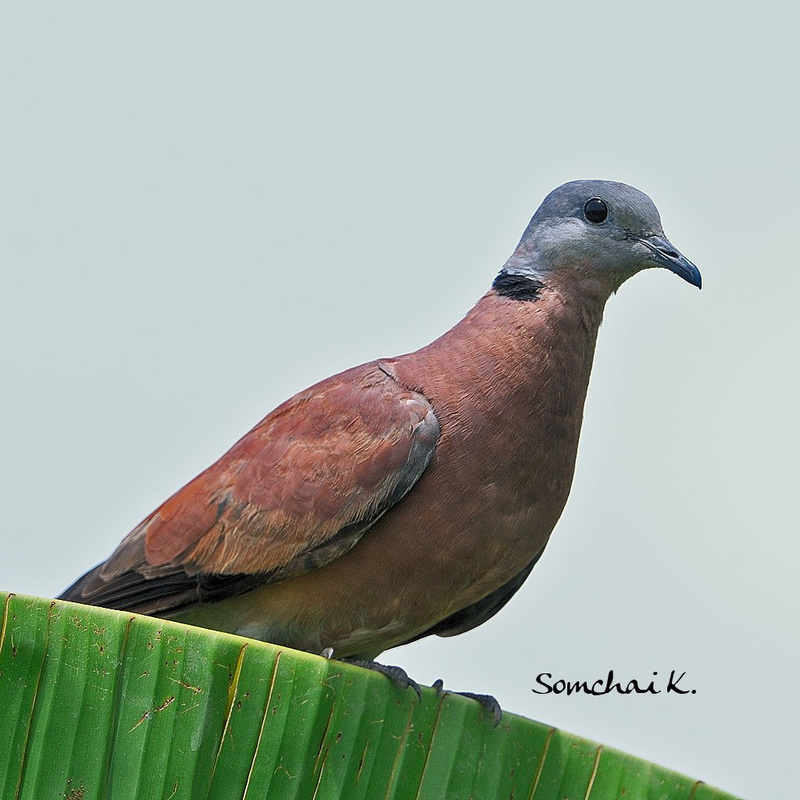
(595, 210)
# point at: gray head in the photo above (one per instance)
(599, 229)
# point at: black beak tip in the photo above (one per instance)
(692, 275)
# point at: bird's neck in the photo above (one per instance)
(516, 356)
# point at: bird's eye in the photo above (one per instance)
(595, 210)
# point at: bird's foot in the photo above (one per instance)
(486, 700)
(400, 678)
(397, 675)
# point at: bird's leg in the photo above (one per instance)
(396, 675)
(486, 700)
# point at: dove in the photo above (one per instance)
(411, 495)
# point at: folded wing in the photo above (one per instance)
(296, 492)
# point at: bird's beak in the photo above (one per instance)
(665, 255)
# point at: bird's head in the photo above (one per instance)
(603, 230)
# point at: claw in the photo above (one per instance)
(489, 703)
(397, 675)
(486, 700)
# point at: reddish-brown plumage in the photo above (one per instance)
(508, 397)
(410, 495)
(322, 460)
(487, 503)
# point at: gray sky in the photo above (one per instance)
(206, 208)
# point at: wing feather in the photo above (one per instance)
(296, 492)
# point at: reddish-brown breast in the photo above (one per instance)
(508, 386)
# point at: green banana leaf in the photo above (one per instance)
(105, 704)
